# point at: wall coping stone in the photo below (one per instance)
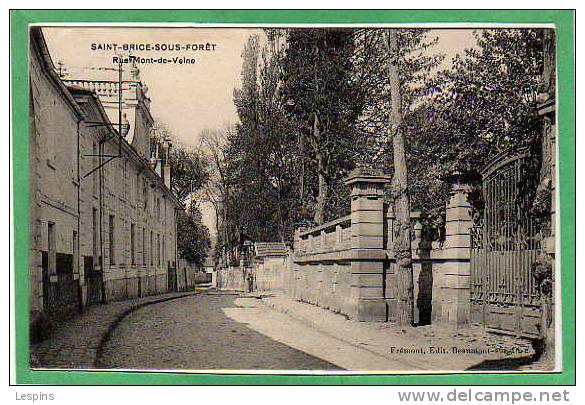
(343, 255)
(326, 226)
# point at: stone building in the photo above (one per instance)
(102, 213)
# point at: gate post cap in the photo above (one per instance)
(367, 175)
(461, 177)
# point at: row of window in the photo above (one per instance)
(157, 252)
(130, 184)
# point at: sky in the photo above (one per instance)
(188, 97)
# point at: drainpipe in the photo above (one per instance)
(144, 262)
(126, 264)
(176, 252)
(101, 204)
(176, 211)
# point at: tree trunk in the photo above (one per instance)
(549, 65)
(302, 157)
(402, 245)
(225, 230)
(322, 196)
(320, 204)
(542, 201)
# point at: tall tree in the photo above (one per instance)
(189, 174)
(402, 244)
(321, 97)
(417, 63)
(261, 159)
(253, 153)
(216, 190)
(484, 103)
(188, 171)
(393, 100)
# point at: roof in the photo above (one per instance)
(209, 262)
(39, 46)
(270, 249)
(79, 91)
(107, 92)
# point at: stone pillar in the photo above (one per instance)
(416, 262)
(547, 113)
(368, 256)
(451, 275)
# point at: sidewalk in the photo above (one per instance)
(436, 347)
(75, 343)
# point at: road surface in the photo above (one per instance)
(195, 333)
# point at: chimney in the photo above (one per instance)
(166, 169)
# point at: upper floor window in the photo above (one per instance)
(132, 244)
(145, 194)
(95, 175)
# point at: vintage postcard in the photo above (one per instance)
(346, 199)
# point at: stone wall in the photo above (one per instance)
(348, 266)
(233, 278)
(320, 272)
(343, 265)
(270, 273)
(189, 276)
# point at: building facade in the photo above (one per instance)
(102, 213)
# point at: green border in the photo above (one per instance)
(563, 20)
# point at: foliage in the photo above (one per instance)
(320, 97)
(490, 92)
(416, 63)
(315, 103)
(188, 171)
(260, 159)
(189, 174)
(483, 104)
(193, 239)
(188, 167)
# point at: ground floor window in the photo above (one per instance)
(144, 246)
(151, 250)
(51, 248)
(158, 249)
(112, 235)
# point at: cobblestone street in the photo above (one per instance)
(219, 330)
(195, 333)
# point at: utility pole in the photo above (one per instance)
(120, 107)
(91, 124)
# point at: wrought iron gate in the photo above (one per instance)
(505, 242)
